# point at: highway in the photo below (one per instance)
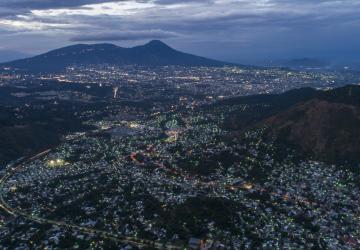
(139, 243)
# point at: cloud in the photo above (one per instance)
(11, 8)
(173, 2)
(124, 36)
(261, 27)
(50, 4)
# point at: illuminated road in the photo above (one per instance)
(140, 243)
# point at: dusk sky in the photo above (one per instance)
(232, 30)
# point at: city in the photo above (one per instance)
(162, 176)
(197, 125)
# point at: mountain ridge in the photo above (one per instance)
(153, 53)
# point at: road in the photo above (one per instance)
(140, 243)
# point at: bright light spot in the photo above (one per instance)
(248, 186)
(133, 125)
(115, 91)
(56, 163)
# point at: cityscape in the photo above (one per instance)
(126, 146)
(162, 175)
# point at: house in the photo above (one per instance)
(194, 243)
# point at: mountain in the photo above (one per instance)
(154, 53)
(323, 124)
(326, 126)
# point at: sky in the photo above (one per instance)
(231, 30)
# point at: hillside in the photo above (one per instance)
(27, 130)
(324, 124)
(326, 127)
(260, 107)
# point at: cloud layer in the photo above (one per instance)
(226, 29)
(123, 36)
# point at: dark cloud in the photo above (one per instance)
(172, 2)
(221, 28)
(124, 36)
(49, 4)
